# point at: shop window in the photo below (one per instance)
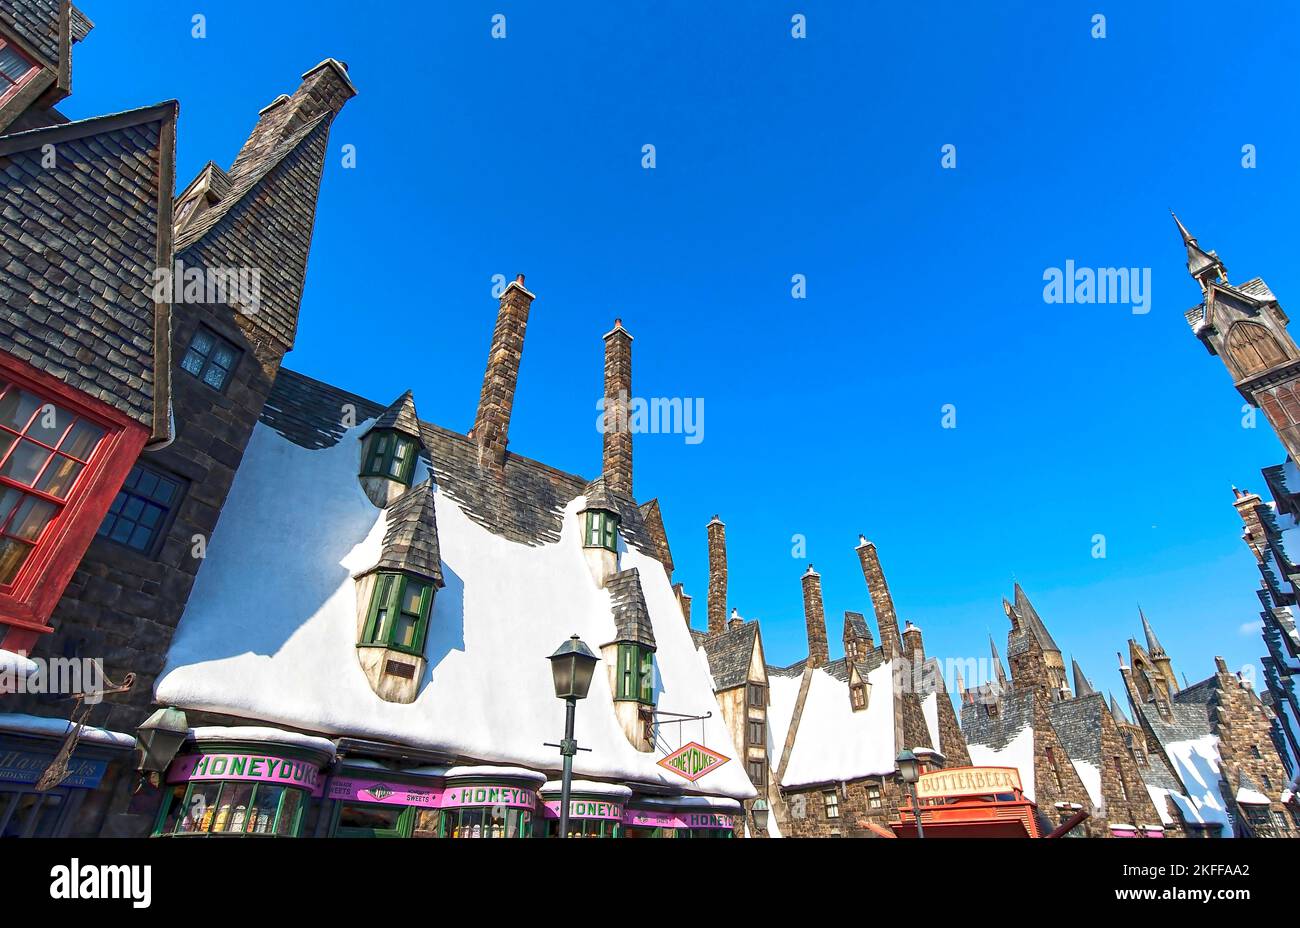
(399, 613)
(757, 732)
(45, 454)
(29, 814)
(366, 820)
(601, 530)
(140, 512)
(388, 454)
(584, 828)
(873, 796)
(635, 674)
(210, 358)
(232, 808)
(15, 70)
(487, 822)
(831, 800)
(757, 696)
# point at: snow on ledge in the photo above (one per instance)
(589, 788)
(262, 734)
(16, 665)
(690, 802)
(1250, 797)
(520, 773)
(39, 725)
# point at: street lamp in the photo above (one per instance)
(760, 811)
(159, 738)
(909, 769)
(572, 666)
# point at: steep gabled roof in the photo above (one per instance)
(79, 247)
(1029, 615)
(730, 653)
(411, 539)
(654, 522)
(631, 618)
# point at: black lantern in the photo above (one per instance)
(760, 812)
(159, 738)
(909, 768)
(572, 666)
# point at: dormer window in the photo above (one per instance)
(636, 680)
(388, 454)
(15, 69)
(399, 613)
(601, 530)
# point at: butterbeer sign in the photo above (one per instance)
(693, 761)
(967, 781)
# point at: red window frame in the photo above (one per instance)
(7, 93)
(27, 602)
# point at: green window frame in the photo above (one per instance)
(231, 809)
(399, 613)
(584, 828)
(388, 454)
(487, 822)
(601, 530)
(372, 820)
(636, 680)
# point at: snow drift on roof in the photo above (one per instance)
(1018, 753)
(834, 742)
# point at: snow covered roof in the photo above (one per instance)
(39, 725)
(516, 585)
(588, 788)
(1018, 752)
(833, 742)
(255, 733)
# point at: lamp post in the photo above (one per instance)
(909, 769)
(572, 666)
(760, 812)
(159, 738)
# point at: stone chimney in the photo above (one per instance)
(1248, 505)
(618, 389)
(913, 648)
(717, 602)
(735, 621)
(497, 400)
(881, 601)
(324, 89)
(684, 599)
(815, 618)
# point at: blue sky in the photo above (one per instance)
(820, 157)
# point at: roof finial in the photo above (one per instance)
(1203, 265)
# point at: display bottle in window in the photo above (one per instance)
(239, 818)
(205, 822)
(223, 816)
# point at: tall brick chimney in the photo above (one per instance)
(324, 89)
(814, 617)
(913, 647)
(1248, 505)
(881, 601)
(492, 423)
(618, 388)
(717, 601)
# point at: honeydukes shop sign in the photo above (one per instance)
(693, 761)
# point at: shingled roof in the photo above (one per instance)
(730, 653)
(631, 618)
(80, 244)
(36, 25)
(400, 417)
(522, 501)
(411, 539)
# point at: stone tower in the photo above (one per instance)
(1244, 325)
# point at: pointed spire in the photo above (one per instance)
(1081, 685)
(1117, 711)
(400, 416)
(1153, 643)
(997, 660)
(1029, 615)
(1201, 264)
(961, 686)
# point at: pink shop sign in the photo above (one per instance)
(586, 808)
(256, 768)
(353, 789)
(640, 818)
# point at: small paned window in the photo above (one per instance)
(757, 772)
(140, 510)
(15, 69)
(873, 797)
(831, 799)
(859, 694)
(231, 809)
(601, 530)
(487, 822)
(388, 454)
(210, 358)
(635, 674)
(44, 449)
(757, 696)
(757, 732)
(399, 613)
